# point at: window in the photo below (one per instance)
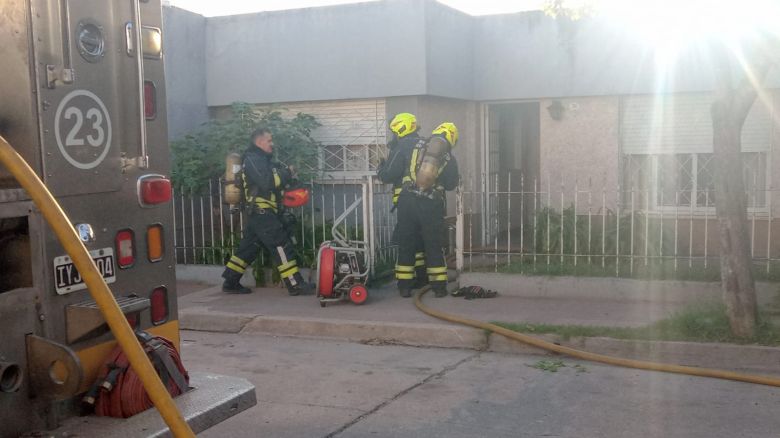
(676, 179)
(666, 141)
(351, 157)
(687, 180)
(352, 133)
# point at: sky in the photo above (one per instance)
(211, 8)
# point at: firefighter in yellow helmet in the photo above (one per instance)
(427, 171)
(405, 137)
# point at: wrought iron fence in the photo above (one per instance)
(511, 226)
(588, 229)
(207, 230)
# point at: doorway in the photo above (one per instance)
(511, 147)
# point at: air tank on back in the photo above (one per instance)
(428, 170)
(232, 167)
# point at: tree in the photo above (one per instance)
(200, 157)
(736, 92)
(740, 72)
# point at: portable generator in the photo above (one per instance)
(342, 266)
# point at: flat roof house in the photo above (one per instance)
(543, 105)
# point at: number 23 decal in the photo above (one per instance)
(94, 115)
(76, 109)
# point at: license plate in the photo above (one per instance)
(67, 279)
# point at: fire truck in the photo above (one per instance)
(82, 95)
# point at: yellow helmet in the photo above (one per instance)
(403, 124)
(449, 131)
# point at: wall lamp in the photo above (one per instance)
(556, 110)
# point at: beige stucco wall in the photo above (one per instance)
(582, 148)
(435, 110)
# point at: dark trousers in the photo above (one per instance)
(420, 219)
(421, 276)
(265, 229)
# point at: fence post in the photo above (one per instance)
(173, 205)
(192, 221)
(769, 195)
(183, 228)
(368, 223)
(459, 228)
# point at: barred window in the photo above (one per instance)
(352, 133)
(688, 180)
(351, 157)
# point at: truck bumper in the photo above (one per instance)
(214, 399)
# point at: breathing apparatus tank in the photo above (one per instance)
(232, 186)
(428, 166)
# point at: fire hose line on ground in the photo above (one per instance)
(628, 363)
(97, 287)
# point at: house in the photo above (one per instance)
(545, 106)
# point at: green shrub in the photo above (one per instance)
(199, 157)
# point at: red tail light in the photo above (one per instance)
(150, 100)
(154, 189)
(125, 249)
(159, 301)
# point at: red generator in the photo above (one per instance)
(342, 266)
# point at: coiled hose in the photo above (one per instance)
(97, 287)
(128, 397)
(628, 363)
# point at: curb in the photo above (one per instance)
(371, 332)
(368, 332)
(746, 358)
(211, 321)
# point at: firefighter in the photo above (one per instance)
(405, 137)
(429, 169)
(263, 182)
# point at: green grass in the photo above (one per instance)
(552, 366)
(700, 323)
(654, 270)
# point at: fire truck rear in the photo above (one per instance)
(83, 101)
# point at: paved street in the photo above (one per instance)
(320, 388)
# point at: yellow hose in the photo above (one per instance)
(97, 287)
(629, 363)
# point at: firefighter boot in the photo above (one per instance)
(232, 283)
(405, 276)
(296, 286)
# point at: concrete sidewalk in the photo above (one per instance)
(611, 302)
(384, 304)
(389, 319)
